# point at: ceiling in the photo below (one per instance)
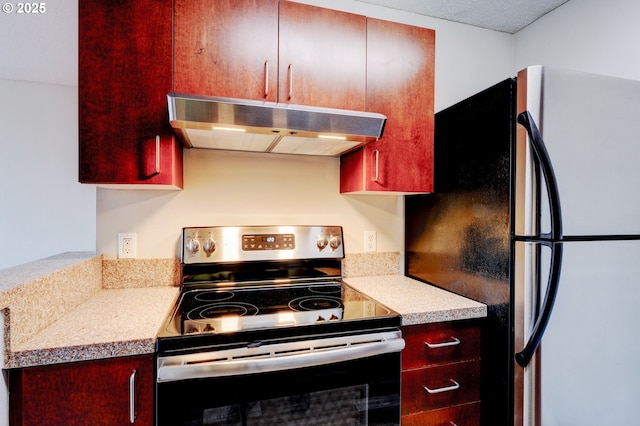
(509, 16)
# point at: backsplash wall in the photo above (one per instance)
(237, 188)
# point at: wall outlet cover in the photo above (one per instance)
(127, 245)
(370, 243)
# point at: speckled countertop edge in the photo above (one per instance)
(114, 322)
(78, 306)
(21, 274)
(417, 302)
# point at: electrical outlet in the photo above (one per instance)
(369, 309)
(126, 245)
(370, 241)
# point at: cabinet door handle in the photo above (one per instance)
(453, 387)
(157, 155)
(376, 176)
(452, 342)
(266, 79)
(290, 72)
(132, 397)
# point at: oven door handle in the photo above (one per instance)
(276, 358)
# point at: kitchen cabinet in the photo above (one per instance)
(106, 392)
(322, 57)
(227, 48)
(270, 51)
(441, 374)
(400, 85)
(125, 67)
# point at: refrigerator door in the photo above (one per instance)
(588, 359)
(585, 371)
(588, 125)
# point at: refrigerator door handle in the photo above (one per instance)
(541, 153)
(553, 237)
(524, 357)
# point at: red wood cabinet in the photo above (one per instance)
(441, 374)
(268, 50)
(322, 57)
(227, 48)
(125, 65)
(400, 85)
(84, 393)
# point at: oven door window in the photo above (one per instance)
(358, 392)
(346, 406)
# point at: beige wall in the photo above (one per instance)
(227, 188)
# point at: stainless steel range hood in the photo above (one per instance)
(245, 125)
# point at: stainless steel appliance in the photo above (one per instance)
(535, 213)
(280, 128)
(265, 332)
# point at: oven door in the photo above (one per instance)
(355, 389)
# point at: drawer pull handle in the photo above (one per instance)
(453, 387)
(452, 342)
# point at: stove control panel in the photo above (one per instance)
(269, 242)
(247, 243)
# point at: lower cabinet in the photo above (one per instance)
(441, 374)
(114, 391)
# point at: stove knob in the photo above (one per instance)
(209, 246)
(193, 246)
(335, 242)
(322, 242)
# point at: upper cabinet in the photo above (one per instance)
(268, 50)
(227, 48)
(400, 85)
(322, 57)
(133, 52)
(125, 65)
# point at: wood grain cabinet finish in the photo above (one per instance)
(441, 374)
(322, 57)
(270, 51)
(400, 85)
(227, 48)
(109, 392)
(125, 66)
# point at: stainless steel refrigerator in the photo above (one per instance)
(536, 213)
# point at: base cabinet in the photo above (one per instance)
(441, 374)
(109, 392)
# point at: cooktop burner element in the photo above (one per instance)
(234, 309)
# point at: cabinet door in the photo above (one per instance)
(322, 57)
(84, 393)
(227, 48)
(400, 85)
(124, 77)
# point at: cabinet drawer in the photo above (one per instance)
(461, 415)
(448, 385)
(440, 343)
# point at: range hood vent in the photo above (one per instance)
(245, 125)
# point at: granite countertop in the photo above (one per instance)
(79, 306)
(111, 323)
(417, 302)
